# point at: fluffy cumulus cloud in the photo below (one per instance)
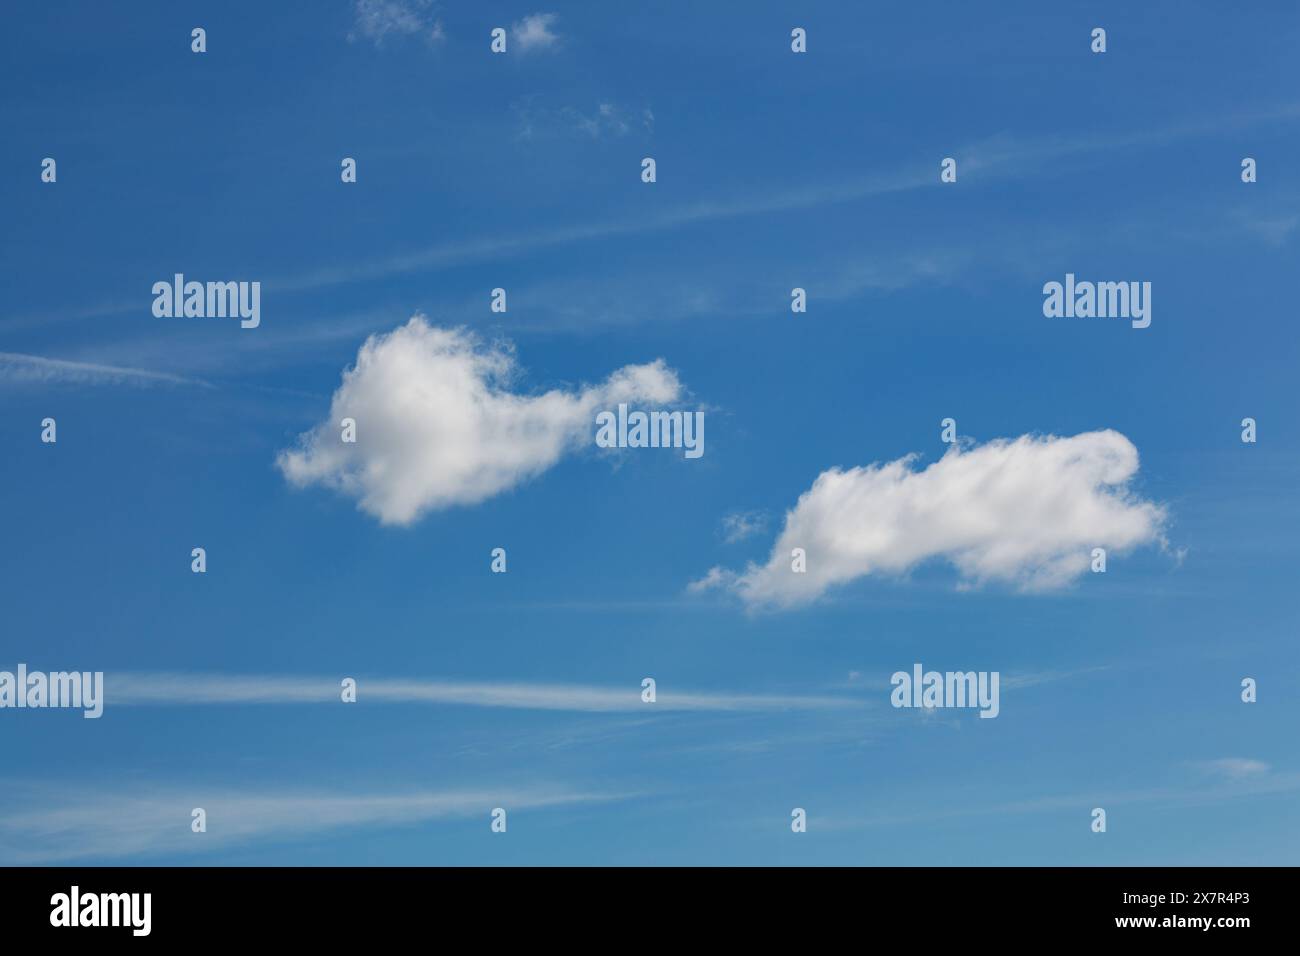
(534, 32)
(1025, 512)
(437, 424)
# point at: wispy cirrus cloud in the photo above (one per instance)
(16, 368)
(994, 158)
(173, 689)
(991, 159)
(1239, 788)
(1235, 768)
(1010, 680)
(129, 823)
(1019, 681)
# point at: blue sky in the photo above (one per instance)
(522, 171)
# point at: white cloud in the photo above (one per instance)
(716, 577)
(437, 425)
(1025, 512)
(376, 20)
(740, 525)
(124, 688)
(533, 32)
